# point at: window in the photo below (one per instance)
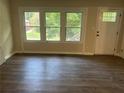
(32, 25)
(73, 26)
(52, 26)
(109, 16)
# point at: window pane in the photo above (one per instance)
(109, 16)
(52, 19)
(33, 33)
(73, 34)
(73, 19)
(52, 26)
(32, 19)
(53, 34)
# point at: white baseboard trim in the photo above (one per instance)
(104, 54)
(121, 57)
(50, 52)
(6, 57)
(18, 52)
(117, 54)
(10, 55)
(88, 54)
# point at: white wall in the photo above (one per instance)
(89, 43)
(74, 48)
(6, 41)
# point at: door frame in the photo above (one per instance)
(119, 27)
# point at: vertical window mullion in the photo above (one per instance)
(43, 30)
(82, 26)
(25, 38)
(40, 25)
(63, 26)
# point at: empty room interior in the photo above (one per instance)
(61, 46)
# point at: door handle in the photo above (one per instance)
(97, 35)
(97, 31)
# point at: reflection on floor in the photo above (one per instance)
(25, 73)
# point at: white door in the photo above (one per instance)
(122, 48)
(108, 25)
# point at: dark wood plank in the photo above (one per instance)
(26, 73)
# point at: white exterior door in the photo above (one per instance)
(122, 48)
(108, 25)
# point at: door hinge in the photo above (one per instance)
(122, 50)
(114, 49)
(117, 33)
(120, 15)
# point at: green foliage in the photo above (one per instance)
(53, 34)
(32, 18)
(33, 33)
(73, 19)
(53, 24)
(73, 28)
(73, 34)
(52, 19)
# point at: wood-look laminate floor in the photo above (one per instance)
(62, 74)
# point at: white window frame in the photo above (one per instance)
(42, 12)
(22, 10)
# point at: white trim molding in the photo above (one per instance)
(49, 52)
(88, 54)
(2, 59)
(10, 55)
(63, 11)
(7, 57)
